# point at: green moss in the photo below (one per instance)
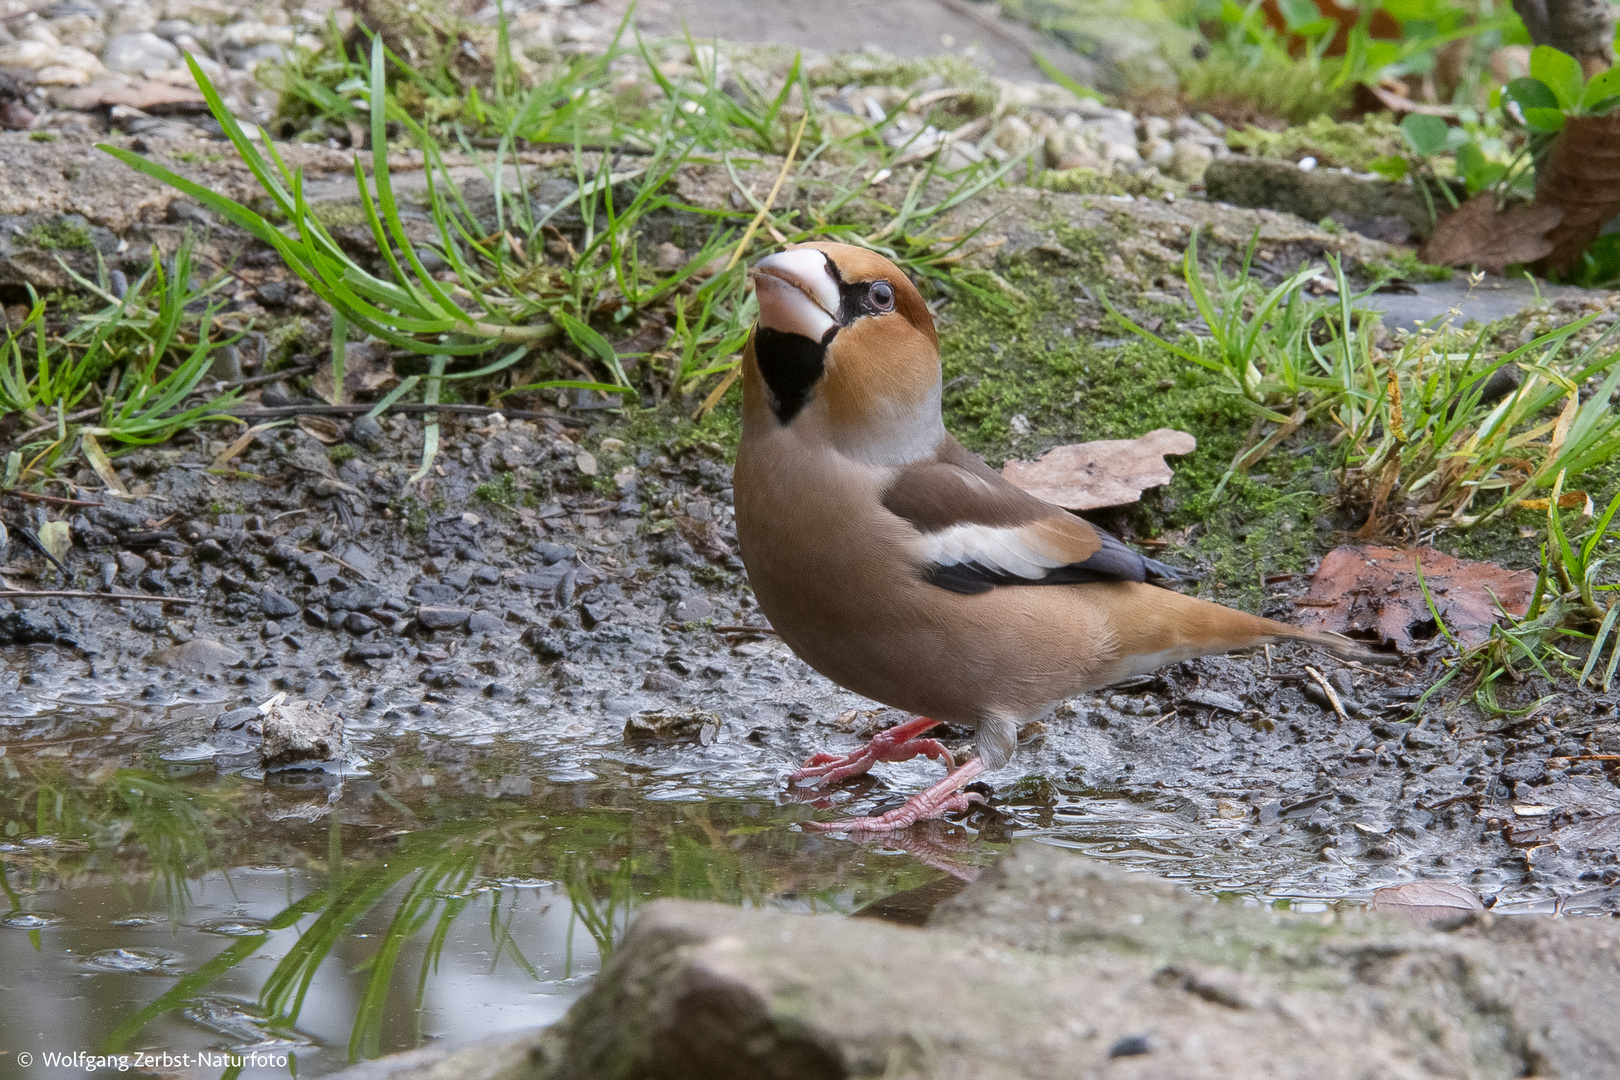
(1031, 362)
(64, 234)
(1296, 90)
(415, 514)
(885, 69)
(336, 215)
(341, 452)
(43, 136)
(1408, 267)
(1351, 145)
(501, 491)
(1081, 182)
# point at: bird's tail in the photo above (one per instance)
(1154, 626)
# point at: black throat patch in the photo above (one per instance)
(791, 364)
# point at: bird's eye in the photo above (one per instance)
(882, 296)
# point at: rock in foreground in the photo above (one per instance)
(1053, 965)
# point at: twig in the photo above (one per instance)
(28, 534)
(270, 412)
(54, 500)
(8, 593)
(255, 380)
(70, 418)
(1333, 698)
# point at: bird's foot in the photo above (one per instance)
(943, 798)
(898, 743)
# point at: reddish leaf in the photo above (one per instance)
(1368, 591)
(1477, 234)
(1109, 472)
(1422, 902)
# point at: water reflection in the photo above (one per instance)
(177, 909)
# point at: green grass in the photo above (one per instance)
(530, 281)
(124, 372)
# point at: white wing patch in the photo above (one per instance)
(1013, 551)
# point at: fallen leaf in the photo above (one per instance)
(57, 537)
(143, 94)
(1580, 177)
(1367, 591)
(1422, 902)
(1475, 233)
(367, 368)
(1109, 472)
(1569, 500)
(324, 428)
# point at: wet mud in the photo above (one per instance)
(560, 701)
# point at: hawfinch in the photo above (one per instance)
(903, 568)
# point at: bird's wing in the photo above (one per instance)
(975, 530)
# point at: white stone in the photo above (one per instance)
(80, 30)
(61, 75)
(1190, 160)
(140, 54)
(245, 35)
(1112, 130)
(28, 54)
(1013, 135)
(74, 57)
(201, 12)
(41, 32)
(132, 18)
(1158, 153)
(1155, 127)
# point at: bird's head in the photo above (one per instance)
(846, 341)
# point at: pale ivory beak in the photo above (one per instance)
(797, 293)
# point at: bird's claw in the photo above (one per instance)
(898, 743)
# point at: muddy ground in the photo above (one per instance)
(569, 587)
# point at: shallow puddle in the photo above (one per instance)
(164, 898)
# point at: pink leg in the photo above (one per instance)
(943, 798)
(896, 744)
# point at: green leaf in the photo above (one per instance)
(595, 344)
(1544, 121)
(1604, 85)
(1477, 170)
(1426, 134)
(1393, 167)
(1530, 94)
(1561, 73)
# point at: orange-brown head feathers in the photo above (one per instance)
(845, 339)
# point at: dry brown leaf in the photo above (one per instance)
(1109, 472)
(367, 368)
(1569, 500)
(1476, 234)
(1367, 591)
(324, 428)
(1422, 902)
(1580, 177)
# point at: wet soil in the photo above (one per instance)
(560, 702)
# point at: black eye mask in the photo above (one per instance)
(792, 364)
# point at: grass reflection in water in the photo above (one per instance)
(384, 885)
